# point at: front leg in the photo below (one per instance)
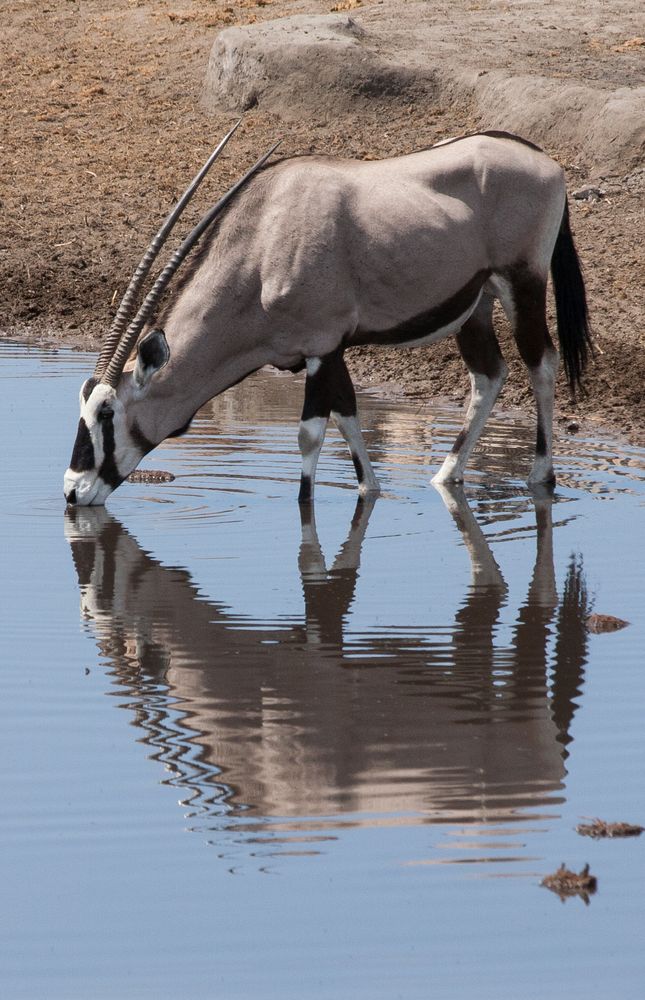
(311, 435)
(329, 390)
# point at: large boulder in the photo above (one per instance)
(580, 98)
(298, 64)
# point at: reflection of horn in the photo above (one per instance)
(534, 621)
(571, 643)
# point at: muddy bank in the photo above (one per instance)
(104, 124)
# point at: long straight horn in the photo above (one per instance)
(128, 301)
(122, 353)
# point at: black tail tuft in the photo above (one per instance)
(571, 305)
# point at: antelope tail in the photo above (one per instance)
(574, 331)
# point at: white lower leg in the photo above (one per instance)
(543, 385)
(311, 435)
(484, 392)
(350, 428)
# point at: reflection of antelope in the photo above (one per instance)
(316, 255)
(290, 722)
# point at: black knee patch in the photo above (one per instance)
(358, 465)
(304, 496)
(459, 441)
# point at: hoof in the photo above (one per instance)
(447, 479)
(306, 492)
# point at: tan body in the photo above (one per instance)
(327, 247)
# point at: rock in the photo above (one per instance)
(150, 476)
(402, 52)
(604, 623)
(300, 63)
(589, 193)
(566, 883)
(599, 828)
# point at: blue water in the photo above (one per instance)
(245, 757)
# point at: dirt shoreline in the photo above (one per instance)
(103, 126)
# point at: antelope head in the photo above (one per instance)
(113, 432)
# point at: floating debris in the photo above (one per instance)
(604, 623)
(566, 883)
(150, 476)
(599, 828)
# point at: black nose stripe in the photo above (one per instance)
(71, 496)
(109, 472)
(83, 454)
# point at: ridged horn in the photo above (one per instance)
(128, 301)
(122, 353)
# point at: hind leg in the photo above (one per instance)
(524, 300)
(543, 376)
(479, 349)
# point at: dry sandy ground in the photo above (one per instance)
(102, 128)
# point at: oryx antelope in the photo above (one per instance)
(308, 256)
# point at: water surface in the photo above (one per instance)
(252, 751)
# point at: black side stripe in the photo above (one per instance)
(425, 323)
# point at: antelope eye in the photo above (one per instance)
(105, 413)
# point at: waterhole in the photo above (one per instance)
(253, 751)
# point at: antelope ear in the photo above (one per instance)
(152, 354)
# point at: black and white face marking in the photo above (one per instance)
(107, 448)
(105, 451)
